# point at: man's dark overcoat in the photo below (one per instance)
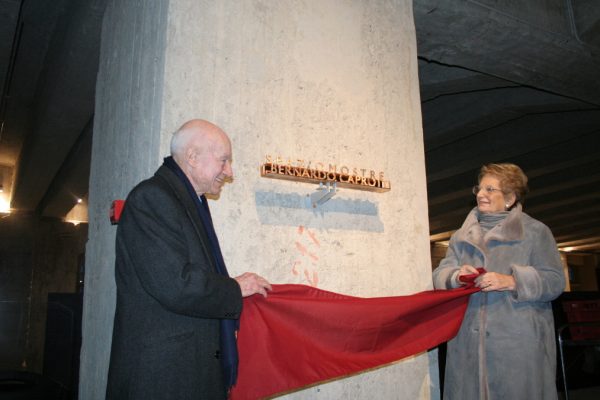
(170, 298)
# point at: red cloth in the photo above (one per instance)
(300, 335)
(470, 278)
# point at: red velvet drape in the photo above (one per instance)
(300, 335)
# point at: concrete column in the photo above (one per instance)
(323, 81)
(126, 149)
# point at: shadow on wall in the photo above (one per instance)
(291, 209)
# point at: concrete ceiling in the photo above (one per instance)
(513, 81)
(501, 81)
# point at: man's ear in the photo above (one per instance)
(191, 156)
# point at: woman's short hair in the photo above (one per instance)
(511, 177)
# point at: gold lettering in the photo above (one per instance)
(300, 170)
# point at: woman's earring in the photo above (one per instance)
(507, 206)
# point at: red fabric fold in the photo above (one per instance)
(300, 335)
(470, 278)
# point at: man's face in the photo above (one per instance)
(212, 167)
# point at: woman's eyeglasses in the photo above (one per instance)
(488, 189)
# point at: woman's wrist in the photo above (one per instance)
(454, 280)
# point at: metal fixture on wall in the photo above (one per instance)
(323, 194)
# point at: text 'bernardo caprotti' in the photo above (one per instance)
(316, 172)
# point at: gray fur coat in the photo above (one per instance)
(505, 348)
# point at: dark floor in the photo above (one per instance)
(591, 393)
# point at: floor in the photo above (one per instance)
(591, 393)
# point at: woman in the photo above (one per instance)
(505, 347)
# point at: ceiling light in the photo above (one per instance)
(78, 214)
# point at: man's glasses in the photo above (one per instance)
(488, 189)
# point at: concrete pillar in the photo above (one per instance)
(323, 81)
(126, 149)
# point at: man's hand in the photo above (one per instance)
(251, 283)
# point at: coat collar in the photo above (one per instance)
(177, 186)
(508, 230)
(183, 196)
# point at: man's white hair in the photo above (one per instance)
(180, 142)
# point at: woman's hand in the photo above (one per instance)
(495, 281)
(465, 270)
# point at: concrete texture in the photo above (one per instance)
(125, 150)
(332, 82)
(535, 43)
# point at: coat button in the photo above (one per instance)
(217, 354)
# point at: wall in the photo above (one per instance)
(125, 149)
(333, 82)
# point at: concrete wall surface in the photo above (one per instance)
(125, 150)
(323, 81)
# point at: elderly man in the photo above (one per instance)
(177, 307)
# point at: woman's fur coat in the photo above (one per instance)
(505, 348)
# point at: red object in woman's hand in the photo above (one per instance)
(471, 277)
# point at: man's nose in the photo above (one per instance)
(228, 170)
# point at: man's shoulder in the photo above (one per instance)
(150, 184)
(156, 185)
(160, 180)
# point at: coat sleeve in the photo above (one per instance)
(152, 236)
(543, 279)
(444, 276)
